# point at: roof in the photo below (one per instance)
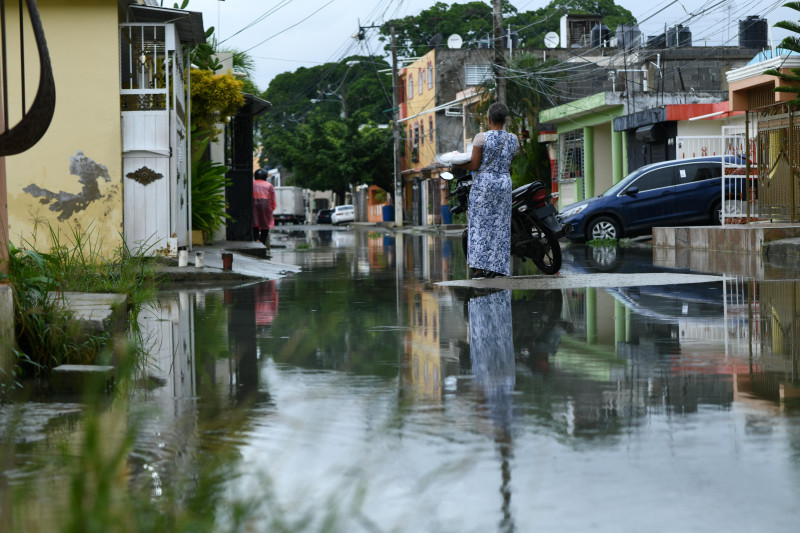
(188, 23)
(258, 105)
(770, 53)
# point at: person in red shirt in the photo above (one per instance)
(264, 204)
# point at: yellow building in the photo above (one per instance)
(74, 179)
(432, 118)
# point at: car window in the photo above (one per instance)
(655, 179)
(692, 172)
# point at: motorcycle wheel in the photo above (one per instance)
(549, 260)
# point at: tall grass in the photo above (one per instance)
(47, 334)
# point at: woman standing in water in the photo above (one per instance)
(489, 209)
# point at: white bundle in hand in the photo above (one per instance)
(454, 158)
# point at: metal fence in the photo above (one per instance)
(739, 198)
(777, 153)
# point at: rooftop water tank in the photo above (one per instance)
(628, 35)
(679, 36)
(753, 32)
(600, 35)
(657, 41)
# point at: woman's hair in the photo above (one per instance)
(497, 113)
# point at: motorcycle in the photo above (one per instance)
(535, 230)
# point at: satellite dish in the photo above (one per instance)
(551, 40)
(454, 41)
(437, 40)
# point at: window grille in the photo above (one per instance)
(477, 74)
(410, 86)
(430, 75)
(570, 155)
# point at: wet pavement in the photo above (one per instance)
(372, 390)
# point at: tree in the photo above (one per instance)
(791, 43)
(325, 124)
(534, 25)
(416, 34)
(525, 90)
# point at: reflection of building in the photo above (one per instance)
(428, 359)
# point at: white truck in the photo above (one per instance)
(291, 208)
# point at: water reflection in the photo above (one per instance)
(491, 347)
(357, 390)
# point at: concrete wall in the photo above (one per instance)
(72, 177)
(707, 127)
(602, 159)
(698, 69)
(6, 332)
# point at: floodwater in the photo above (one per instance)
(358, 395)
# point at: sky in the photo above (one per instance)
(284, 35)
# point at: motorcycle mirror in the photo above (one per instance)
(447, 176)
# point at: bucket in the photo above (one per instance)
(199, 259)
(227, 261)
(447, 216)
(183, 258)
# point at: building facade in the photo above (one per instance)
(118, 126)
(433, 121)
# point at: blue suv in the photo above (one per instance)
(670, 193)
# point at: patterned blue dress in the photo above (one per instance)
(489, 209)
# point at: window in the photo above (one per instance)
(477, 74)
(422, 132)
(421, 78)
(430, 127)
(570, 146)
(698, 172)
(410, 86)
(430, 75)
(655, 179)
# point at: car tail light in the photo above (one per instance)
(539, 197)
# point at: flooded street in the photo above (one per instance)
(360, 395)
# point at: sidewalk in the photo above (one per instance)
(246, 264)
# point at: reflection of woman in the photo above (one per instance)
(491, 349)
(489, 224)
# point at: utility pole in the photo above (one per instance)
(398, 179)
(499, 58)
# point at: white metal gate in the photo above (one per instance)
(154, 163)
(734, 188)
(732, 142)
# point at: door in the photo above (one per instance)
(697, 189)
(416, 202)
(654, 201)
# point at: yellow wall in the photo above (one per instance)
(82, 37)
(419, 103)
(603, 178)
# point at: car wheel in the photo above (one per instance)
(603, 228)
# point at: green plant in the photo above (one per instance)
(215, 98)
(209, 180)
(792, 44)
(46, 332)
(599, 243)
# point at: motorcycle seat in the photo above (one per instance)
(528, 188)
